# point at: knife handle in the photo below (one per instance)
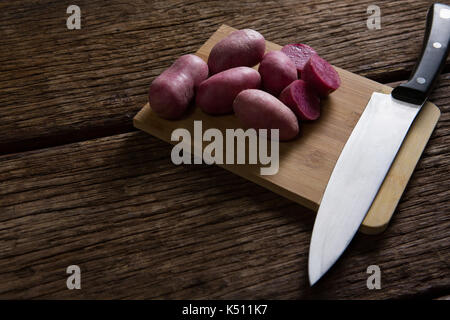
(435, 49)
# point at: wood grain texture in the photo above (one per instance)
(140, 227)
(59, 85)
(307, 162)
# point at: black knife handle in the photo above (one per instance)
(435, 49)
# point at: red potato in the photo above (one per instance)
(320, 76)
(277, 71)
(301, 100)
(172, 92)
(242, 48)
(260, 110)
(216, 94)
(299, 53)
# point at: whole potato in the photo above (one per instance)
(172, 92)
(216, 94)
(277, 71)
(260, 110)
(241, 48)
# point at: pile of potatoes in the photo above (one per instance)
(285, 90)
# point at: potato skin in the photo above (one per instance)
(216, 94)
(242, 48)
(277, 71)
(260, 110)
(299, 53)
(172, 92)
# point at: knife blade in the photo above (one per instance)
(371, 148)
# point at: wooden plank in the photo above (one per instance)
(60, 85)
(140, 227)
(307, 162)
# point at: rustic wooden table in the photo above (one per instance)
(80, 185)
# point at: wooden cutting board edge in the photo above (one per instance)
(394, 184)
(388, 196)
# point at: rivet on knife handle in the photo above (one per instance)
(435, 49)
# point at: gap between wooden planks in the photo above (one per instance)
(306, 163)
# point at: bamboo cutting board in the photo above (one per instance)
(307, 162)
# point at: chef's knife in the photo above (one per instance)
(371, 148)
